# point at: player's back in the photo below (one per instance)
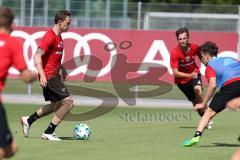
(10, 54)
(5, 54)
(226, 68)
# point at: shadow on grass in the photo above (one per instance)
(62, 138)
(221, 145)
(187, 127)
(67, 138)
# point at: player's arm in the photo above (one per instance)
(19, 63)
(178, 74)
(38, 64)
(211, 76)
(174, 63)
(64, 73)
(38, 61)
(210, 90)
(28, 76)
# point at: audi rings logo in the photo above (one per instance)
(30, 42)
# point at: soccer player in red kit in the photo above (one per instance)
(48, 63)
(186, 72)
(11, 55)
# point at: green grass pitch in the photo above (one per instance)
(128, 134)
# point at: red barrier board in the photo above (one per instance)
(95, 52)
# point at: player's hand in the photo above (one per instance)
(35, 75)
(28, 76)
(194, 75)
(198, 106)
(43, 81)
(63, 73)
(64, 76)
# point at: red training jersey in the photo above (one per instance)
(184, 62)
(52, 46)
(11, 54)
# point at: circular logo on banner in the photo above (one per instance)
(30, 43)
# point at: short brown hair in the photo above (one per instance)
(209, 48)
(61, 15)
(182, 30)
(6, 17)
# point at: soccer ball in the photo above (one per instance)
(81, 132)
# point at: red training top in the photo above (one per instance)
(52, 46)
(184, 62)
(11, 54)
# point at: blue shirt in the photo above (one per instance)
(224, 68)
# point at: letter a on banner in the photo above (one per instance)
(157, 47)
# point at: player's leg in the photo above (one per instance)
(193, 91)
(9, 150)
(47, 109)
(198, 98)
(198, 92)
(8, 146)
(208, 115)
(51, 94)
(234, 104)
(197, 88)
(64, 107)
(227, 96)
(27, 121)
(218, 103)
(64, 102)
(1, 153)
(236, 155)
(188, 91)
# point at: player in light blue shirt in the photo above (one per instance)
(221, 72)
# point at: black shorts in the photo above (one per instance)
(55, 90)
(5, 134)
(225, 94)
(188, 88)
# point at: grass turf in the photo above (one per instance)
(128, 134)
